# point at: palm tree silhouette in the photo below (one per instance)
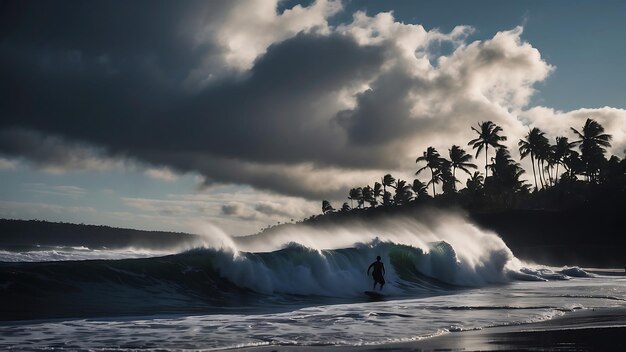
(387, 181)
(460, 159)
(387, 197)
(562, 149)
(475, 182)
(573, 164)
(447, 178)
(543, 155)
(378, 191)
(420, 189)
(532, 144)
(487, 136)
(355, 194)
(403, 192)
(367, 195)
(592, 143)
(552, 162)
(326, 207)
(433, 162)
(505, 182)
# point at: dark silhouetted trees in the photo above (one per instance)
(487, 136)
(434, 162)
(403, 193)
(533, 144)
(355, 194)
(459, 159)
(504, 188)
(592, 142)
(562, 149)
(419, 189)
(387, 181)
(326, 207)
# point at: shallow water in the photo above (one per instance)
(353, 324)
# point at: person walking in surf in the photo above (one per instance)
(378, 273)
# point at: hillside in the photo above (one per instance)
(18, 234)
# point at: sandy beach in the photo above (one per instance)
(583, 330)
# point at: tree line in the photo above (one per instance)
(566, 166)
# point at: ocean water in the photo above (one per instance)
(300, 287)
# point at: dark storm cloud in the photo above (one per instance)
(91, 70)
(281, 102)
(231, 209)
(54, 153)
(77, 74)
(268, 116)
(383, 113)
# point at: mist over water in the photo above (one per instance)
(62, 253)
(419, 230)
(423, 252)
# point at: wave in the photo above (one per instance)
(65, 253)
(441, 252)
(210, 279)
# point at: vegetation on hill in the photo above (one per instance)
(565, 174)
(24, 234)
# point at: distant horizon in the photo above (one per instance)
(97, 225)
(183, 117)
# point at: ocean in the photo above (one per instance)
(301, 287)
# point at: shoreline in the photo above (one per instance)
(600, 329)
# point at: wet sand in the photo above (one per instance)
(585, 330)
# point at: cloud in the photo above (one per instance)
(163, 174)
(7, 164)
(62, 190)
(240, 31)
(55, 154)
(39, 210)
(241, 212)
(161, 207)
(557, 123)
(244, 94)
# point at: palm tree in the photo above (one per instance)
(562, 149)
(378, 191)
(542, 155)
(326, 207)
(487, 136)
(420, 189)
(475, 182)
(447, 179)
(345, 207)
(505, 181)
(387, 198)
(531, 144)
(551, 160)
(355, 194)
(592, 143)
(368, 196)
(573, 164)
(433, 162)
(403, 192)
(460, 159)
(387, 181)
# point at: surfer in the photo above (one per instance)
(378, 273)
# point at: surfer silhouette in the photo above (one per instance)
(378, 273)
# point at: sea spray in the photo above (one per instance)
(459, 252)
(218, 280)
(426, 254)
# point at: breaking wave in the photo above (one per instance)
(208, 279)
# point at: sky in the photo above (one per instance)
(235, 115)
